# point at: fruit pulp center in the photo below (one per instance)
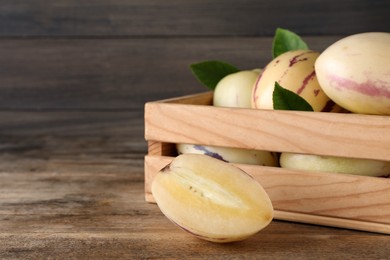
(208, 189)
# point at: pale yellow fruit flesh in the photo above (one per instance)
(211, 199)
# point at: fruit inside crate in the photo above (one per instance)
(340, 200)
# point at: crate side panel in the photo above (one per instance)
(344, 135)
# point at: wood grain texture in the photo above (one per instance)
(74, 76)
(85, 200)
(116, 73)
(100, 123)
(74, 188)
(356, 136)
(188, 18)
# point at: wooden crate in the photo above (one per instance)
(338, 200)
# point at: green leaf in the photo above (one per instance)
(209, 73)
(285, 99)
(285, 40)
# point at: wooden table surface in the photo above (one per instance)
(74, 190)
(74, 76)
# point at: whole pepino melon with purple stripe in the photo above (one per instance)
(355, 72)
(293, 70)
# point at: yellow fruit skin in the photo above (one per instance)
(235, 90)
(293, 70)
(355, 73)
(308, 162)
(230, 154)
(211, 199)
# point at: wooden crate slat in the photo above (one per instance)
(345, 135)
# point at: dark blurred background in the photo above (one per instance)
(97, 54)
(78, 62)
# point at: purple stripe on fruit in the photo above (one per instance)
(306, 81)
(296, 59)
(209, 153)
(369, 87)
